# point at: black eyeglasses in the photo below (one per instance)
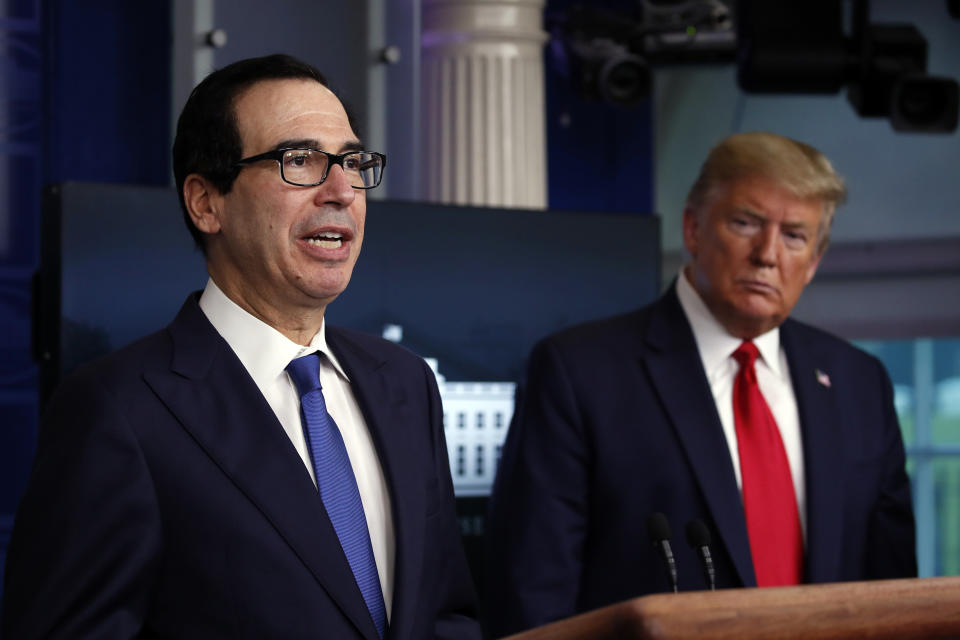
(309, 167)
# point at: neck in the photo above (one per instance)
(298, 324)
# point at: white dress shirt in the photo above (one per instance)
(265, 353)
(716, 348)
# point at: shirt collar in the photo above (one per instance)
(714, 343)
(264, 351)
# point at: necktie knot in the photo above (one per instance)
(305, 373)
(746, 354)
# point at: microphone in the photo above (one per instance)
(698, 537)
(659, 530)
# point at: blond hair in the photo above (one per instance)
(793, 165)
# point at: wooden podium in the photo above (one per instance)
(913, 608)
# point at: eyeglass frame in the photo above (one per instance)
(332, 159)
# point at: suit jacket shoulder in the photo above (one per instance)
(373, 347)
(602, 333)
(797, 335)
(167, 501)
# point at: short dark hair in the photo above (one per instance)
(208, 140)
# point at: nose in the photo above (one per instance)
(336, 188)
(766, 246)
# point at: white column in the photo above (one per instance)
(482, 104)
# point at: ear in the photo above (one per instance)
(204, 203)
(691, 229)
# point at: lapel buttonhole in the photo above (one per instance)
(823, 378)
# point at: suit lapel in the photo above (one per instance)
(385, 408)
(675, 368)
(217, 402)
(810, 375)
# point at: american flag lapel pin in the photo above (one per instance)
(823, 378)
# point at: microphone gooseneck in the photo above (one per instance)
(698, 537)
(659, 530)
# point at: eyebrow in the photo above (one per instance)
(759, 217)
(749, 211)
(312, 143)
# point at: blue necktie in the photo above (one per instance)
(337, 484)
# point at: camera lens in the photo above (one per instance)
(924, 103)
(624, 80)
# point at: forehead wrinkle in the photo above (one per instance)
(329, 124)
(278, 108)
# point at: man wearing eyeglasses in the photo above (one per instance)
(249, 471)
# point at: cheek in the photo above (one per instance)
(729, 254)
(810, 271)
(796, 279)
(360, 219)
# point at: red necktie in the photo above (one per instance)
(773, 523)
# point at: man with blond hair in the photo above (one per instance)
(776, 440)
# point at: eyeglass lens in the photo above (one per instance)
(308, 167)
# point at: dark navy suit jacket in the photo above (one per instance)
(618, 422)
(167, 501)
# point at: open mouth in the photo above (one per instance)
(326, 240)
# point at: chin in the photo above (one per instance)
(322, 289)
(759, 321)
(758, 307)
(326, 294)
(330, 280)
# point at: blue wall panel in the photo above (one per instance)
(85, 95)
(600, 156)
(21, 141)
(109, 91)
